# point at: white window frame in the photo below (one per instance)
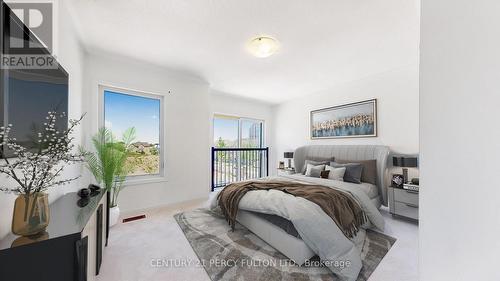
(139, 179)
(240, 132)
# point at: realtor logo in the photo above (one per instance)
(23, 48)
(38, 18)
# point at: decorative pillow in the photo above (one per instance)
(316, 161)
(335, 173)
(324, 174)
(314, 170)
(316, 173)
(369, 173)
(352, 173)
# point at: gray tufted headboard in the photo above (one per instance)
(349, 152)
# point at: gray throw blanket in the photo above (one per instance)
(338, 205)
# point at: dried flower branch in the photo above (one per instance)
(36, 170)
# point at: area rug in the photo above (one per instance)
(241, 255)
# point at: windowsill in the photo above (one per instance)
(146, 180)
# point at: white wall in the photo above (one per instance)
(71, 56)
(397, 99)
(459, 138)
(186, 134)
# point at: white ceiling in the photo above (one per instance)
(323, 42)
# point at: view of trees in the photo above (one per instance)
(144, 159)
(220, 143)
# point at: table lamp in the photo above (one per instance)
(405, 163)
(289, 156)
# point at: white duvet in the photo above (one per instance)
(315, 227)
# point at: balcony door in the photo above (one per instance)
(237, 132)
(238, 151)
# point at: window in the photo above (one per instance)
(123, 109)
(236, 132)
(251, 133)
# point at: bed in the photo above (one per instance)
(278, 234)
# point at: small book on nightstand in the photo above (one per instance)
(411, 187)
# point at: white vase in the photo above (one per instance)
(114, 215)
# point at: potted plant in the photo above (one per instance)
(108, 164)
(35, 170)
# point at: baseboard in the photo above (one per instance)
(152, 209)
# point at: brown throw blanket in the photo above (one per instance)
(338, 205)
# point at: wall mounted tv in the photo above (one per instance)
(27, 95)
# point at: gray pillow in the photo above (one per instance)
(353, 171)
(316, 171)
(369, 174)
(316, 162)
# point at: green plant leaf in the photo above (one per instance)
(108, 162)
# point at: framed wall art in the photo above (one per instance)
(354, 120)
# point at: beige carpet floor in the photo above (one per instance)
(135, 248)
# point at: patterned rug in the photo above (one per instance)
(241, 255)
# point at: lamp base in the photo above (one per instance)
(405, 175)
(289, 163)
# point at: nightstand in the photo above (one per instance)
(403, 202)
(285, 172)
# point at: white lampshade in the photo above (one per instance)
(263, 46)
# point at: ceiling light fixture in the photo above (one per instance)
(263, 46)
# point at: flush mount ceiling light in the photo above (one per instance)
(263, 46)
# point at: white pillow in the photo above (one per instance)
(335, 173)
(310, 167)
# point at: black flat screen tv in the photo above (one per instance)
(27, 95)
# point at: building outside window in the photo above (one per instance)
(237, 132)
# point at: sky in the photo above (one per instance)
(225, 128)
(123, 111)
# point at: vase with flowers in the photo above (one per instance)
(35, 169)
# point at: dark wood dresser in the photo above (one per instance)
(71, 248)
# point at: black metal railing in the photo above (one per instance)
(237, 164)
